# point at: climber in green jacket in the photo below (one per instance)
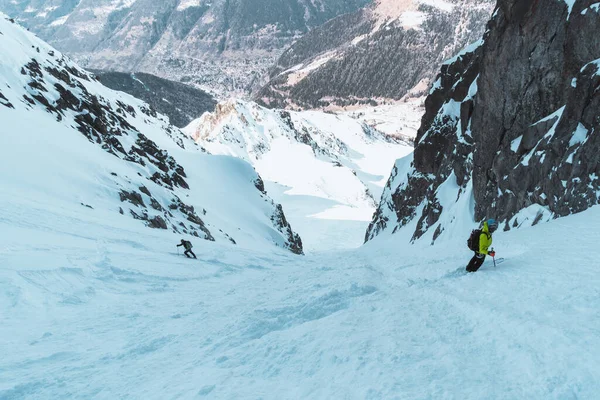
(481, 246)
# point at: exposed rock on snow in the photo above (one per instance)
(510, 129)
(294, 242)
(53, 110)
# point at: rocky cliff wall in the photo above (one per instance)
(511, 123)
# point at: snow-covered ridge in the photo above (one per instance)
(308, 154)
(76, 143)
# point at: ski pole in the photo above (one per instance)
(177, 250)
(494, 258)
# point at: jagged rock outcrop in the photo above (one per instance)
(181, 103)
(388, 50)
(510, 125)
(294, 242)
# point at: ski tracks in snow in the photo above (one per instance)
(111, 319)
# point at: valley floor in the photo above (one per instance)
(90, 310)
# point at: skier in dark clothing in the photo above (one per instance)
(485, 241)
(188, 248)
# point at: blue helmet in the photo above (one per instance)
(492, 224)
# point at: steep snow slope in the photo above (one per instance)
(325, 169)
(70, 143)
(91, 310)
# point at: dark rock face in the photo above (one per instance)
(368, 59)
(514, 122)
(547, 48)
(294, 242)
(180, 102)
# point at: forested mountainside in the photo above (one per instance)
(387, 50)
(181, 103)
(223, 45)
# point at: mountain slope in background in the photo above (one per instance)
(181, 103)
(220, 44)
(388, 50)
(511, 127)
(104, 155)
(326, 170)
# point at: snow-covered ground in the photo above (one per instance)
(323, 224)
(327, 170)
(96, 308)
(400, 119)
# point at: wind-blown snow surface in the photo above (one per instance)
(325, 169)
(96, 308)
